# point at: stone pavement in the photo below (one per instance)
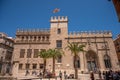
(53, 79)
(80, 77)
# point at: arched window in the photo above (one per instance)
(107, 61)
(91, 60)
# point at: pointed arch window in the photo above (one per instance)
(91, 60)
(107, 61)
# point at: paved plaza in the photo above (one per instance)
(81, 77)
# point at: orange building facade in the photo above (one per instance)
(117, 47)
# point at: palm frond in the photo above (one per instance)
(75, 48)
(44, 54)
(55, 53)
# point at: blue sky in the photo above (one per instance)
(84, 15)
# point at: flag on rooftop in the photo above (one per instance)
(56, 10)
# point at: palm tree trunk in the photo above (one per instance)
(53, 66)
(75, 66)
(76, 73)
(44, 70)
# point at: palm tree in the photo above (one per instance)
(55, 53)
(45, 55)
(75, 48)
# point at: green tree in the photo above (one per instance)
(45, 55)
(75, 48)
(55, 53)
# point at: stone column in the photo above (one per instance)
(82, 61)
(15, 69)
(45, 38)
(101, 60)
(32, 38)
(28, 37)
(37, 38)
(85, 63)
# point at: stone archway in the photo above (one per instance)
(91, 60)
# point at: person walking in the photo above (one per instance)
(60, 75)
(92, 76)
(65, 75)
(99, 73)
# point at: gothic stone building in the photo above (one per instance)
(117, 47)
(100, 51)
(6, 50)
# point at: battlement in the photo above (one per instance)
(32, 31)
(90, 34)
(59, 19)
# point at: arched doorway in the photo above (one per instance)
(91, 60)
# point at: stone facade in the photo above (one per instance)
(100, 51)
(6, 51)
(117, 47)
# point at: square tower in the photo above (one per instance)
(58, 30)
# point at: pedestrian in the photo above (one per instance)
(104, 75)
(100, 77)
(92, 76)
(64, 74)
(27, 72)
(60, 75)
(40, 74)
